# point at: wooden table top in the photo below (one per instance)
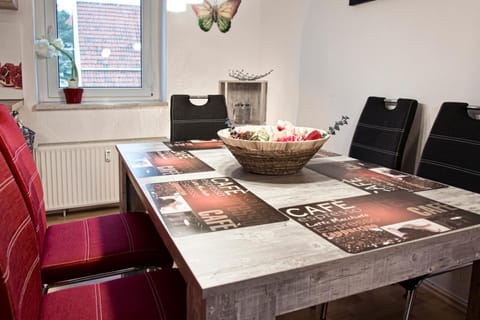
(254, 271)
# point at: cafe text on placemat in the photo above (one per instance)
(368, 222)
(163, 163)
(373, 178)
(207, 205)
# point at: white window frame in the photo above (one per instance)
(153, 60)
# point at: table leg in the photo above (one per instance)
(129, 199)
(123, 186)
(241, 305)
(195, 303)
(473, 310)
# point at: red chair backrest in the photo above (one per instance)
(21, 163)
(20, 282)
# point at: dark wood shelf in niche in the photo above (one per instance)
(355, 2)
(9, 4)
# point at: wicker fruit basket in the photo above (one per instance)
(272, 158)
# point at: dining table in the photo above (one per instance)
(253, 246)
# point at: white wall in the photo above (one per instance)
(263, 36)
(428, 50)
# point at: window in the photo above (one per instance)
(116, 45)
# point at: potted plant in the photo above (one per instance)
(53, 48)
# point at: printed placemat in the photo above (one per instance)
(195, 145)
(325, 154)
(162, 163)
(373, 178)
(208, 205)
(373, 221)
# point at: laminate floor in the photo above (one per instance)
(381, 304)
(55, 218)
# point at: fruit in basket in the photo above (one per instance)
(313, 135)
(283, 131)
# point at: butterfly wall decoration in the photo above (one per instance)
(221, 14)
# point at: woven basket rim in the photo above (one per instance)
(269, 157)
(224, 135)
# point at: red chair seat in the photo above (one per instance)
(102, 244)
(114, 242)
(153, 295)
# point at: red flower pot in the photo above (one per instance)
(73, 95)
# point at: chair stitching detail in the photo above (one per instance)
(98, 302)
(128, 232)
(31, 180)
(388, 152)
(450, 166)
(370, 126)
(27, 280)
(455, 139)
(39, 217)
(156, 296)
(87, 240)
(11, 244)
(18, 151)
(6, 182)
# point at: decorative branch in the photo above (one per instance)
(231, 128)
(336, 126)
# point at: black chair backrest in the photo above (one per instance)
(189, 121)
(382, 131)
(452, 152)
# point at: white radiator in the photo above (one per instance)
(78, 175)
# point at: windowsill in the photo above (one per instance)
(97, 105)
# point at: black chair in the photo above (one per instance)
(190, 121)
(382, 131)
(452, 152)
(380, 137)
(452, 156)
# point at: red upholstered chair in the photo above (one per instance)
(82, 248)
(154, 295)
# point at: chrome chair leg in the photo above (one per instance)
(409, 303)
(45, 288)
(323, 311)
(410, 297)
